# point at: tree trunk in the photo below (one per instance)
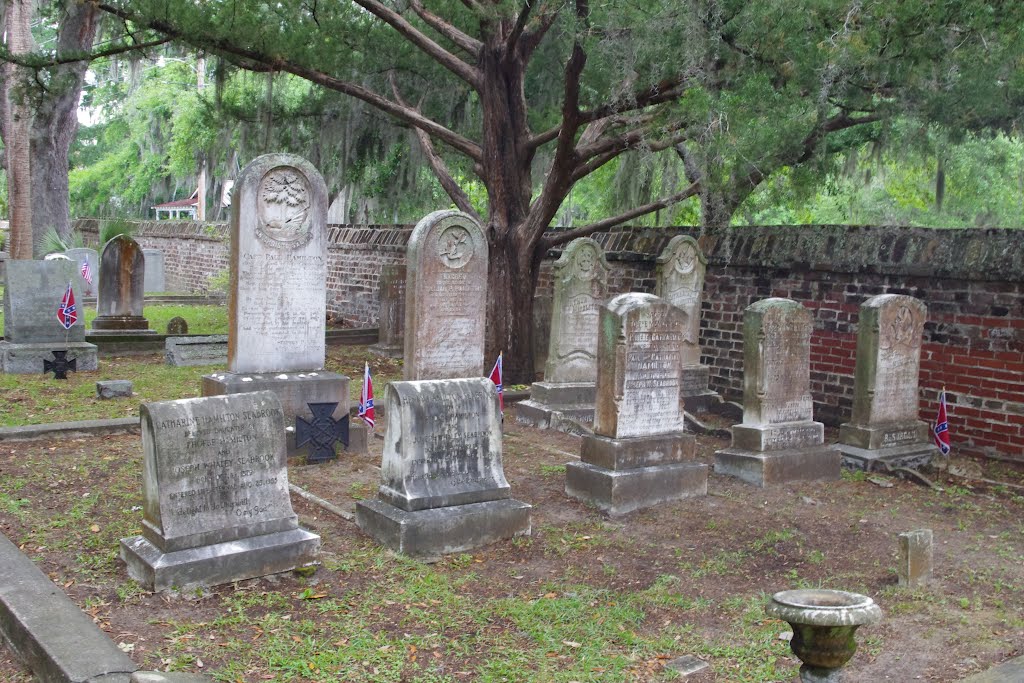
(16, 130)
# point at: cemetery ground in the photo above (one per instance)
(585, 598)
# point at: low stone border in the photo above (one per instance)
(1010, 670)
(121, 425)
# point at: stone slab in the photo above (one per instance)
(779, 467)
(779, 436)
(220, 563)
(1010, 671)
(875, 436)
(27, 359)
(440, 531)
(562, 395)
(914, 566)
(196, 351)
(913, 456)
(33, 292)
(46, 631)
(542, 416)
(624, 491)
(167, 677)
(113, 388)
(687, 665)
(628, 454)
(123, 425)
(154, 279)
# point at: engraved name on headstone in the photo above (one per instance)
(446, 298)
(580, 289)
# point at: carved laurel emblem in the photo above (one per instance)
(283, 209)
(686, 259)
(455, 246)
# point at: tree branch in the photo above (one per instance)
(628, 140)
(563, 237)
(536, 30)
(471, 45)
(39, 62)
(517, 29)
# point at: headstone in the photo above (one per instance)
(120, 301)
(570, 372)
(80, 255)
(33, 292)
(277, 304)
(216, 506)
(445, 298)
(541, 332)
(113, 388)
(443, 487)
(4, 257)
(885, 425)
(391, 317)
(680, 281)
(194, 351)
(778, 440)
(915, 562)
(155, 279)
(639, 454)
(177, 326)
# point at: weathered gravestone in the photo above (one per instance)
(914, 566)
(443, 487)
(195, 351)
(541, 332)
(778, 440)
(216, 506)
(120, 301)
(391, 317)
(155, 279)
(570, 372)
(639, 454)
(445, 298)
(885, 425)
(32, 332)
(81, 255)
(680, 281)
(277, 304)
(177, 326)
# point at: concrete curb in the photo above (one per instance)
(121, 425)
(1010, 670)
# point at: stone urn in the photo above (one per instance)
(823, 622)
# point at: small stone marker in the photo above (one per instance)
(638, 455)
(113, 388)
(443, 487)
(192, 351)
(215, 494)
(915, 563)
(322, 432)
(177, 326)
(570, 372)
(391, 318)
(32, 332)
(687, 665)
(445, 298)
(680, 281)
(119, 305)
(778, 440)
(885, 425)
(155, 280)
(60, 366)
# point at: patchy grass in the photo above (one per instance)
(201, 319)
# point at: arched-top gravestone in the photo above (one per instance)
(446, 298)
(83, 256)
(680, 281)
(120, 301)
(885, 424)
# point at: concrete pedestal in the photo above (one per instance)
(27, 359)
(897, 445)
(763, 468)
(440, 531)
(695, 392)
(120, 325)
(574, 401)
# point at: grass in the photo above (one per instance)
(201, 319)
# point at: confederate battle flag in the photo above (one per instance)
(942, 426)
(366, 398)
(495, 377)
(67, 313)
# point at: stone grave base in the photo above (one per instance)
(777, 437)
(909, 455)
(120, 325)
(551, 401)
(695, 393)
(778, 467)
(387, 350)
(193, 351)
(874, 437)
(295, 391)
(440, 531)
(618, 492)
(27, 359)
(211, 565)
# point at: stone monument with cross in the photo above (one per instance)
(277, 303)
(885, 426)
(639, 454)
(680, 281)
(570, 371)
(778, 440)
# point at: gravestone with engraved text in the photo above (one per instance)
(639, 454)
(778, 440)
(445, 298)
(216, 506)
(885, 425)
(570, 371)
(443, 487)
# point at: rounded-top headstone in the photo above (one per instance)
(81, 256)
(446, 298)
(580, 289)
(122, 270)
(776, 362)
(278, 297)
(177, 326)
(680, 281)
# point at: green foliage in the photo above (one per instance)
(111, 229)
(51, 242)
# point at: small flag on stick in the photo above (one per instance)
(366, 398)
(87, 270)
(941, 428)
(495, 377)
(67, 313)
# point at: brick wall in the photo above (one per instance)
(971, 280)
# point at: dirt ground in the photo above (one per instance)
(66, 502)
